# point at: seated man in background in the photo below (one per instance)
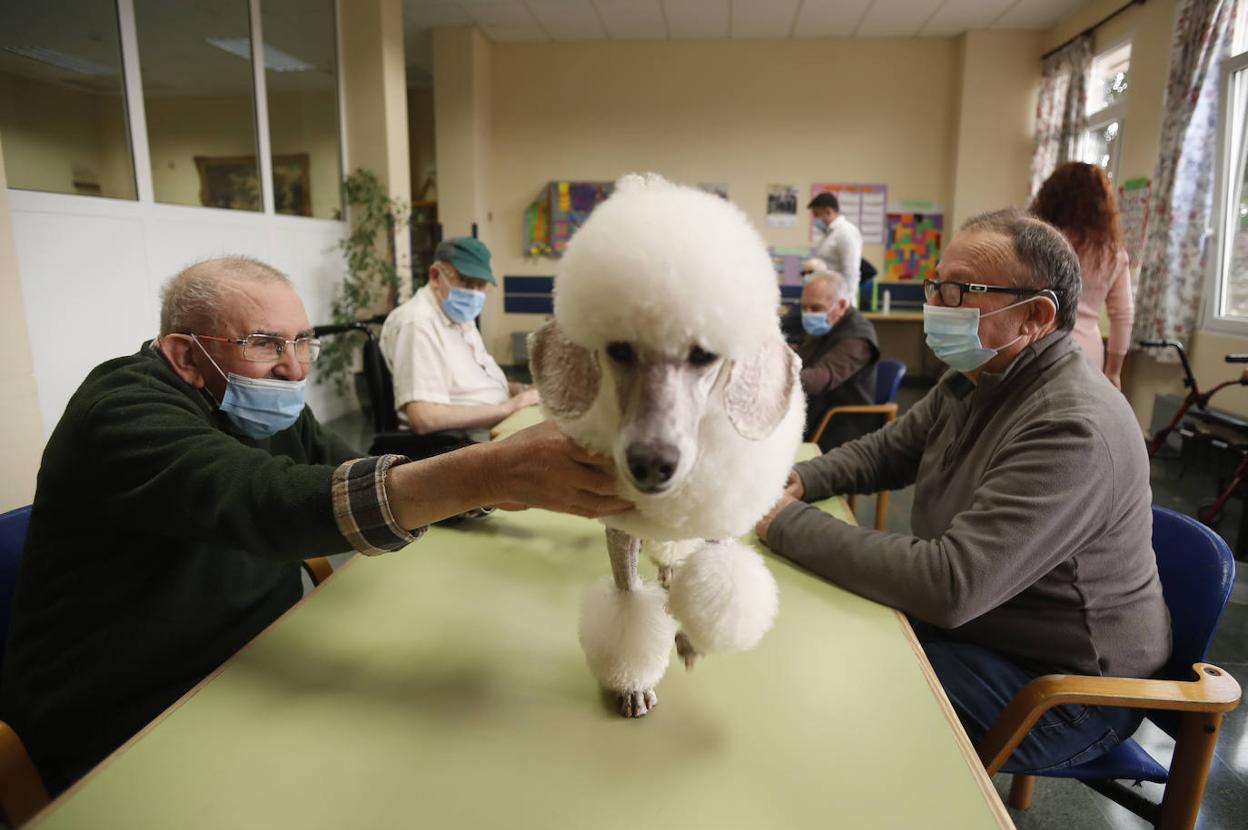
(444, 379)
(791, 319)
(1030, 548)
(839, 355)
(180, 490)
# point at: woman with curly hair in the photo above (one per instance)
(1079, 201)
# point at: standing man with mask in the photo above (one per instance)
(181, 488)
(839, 355)
(841, 245)
(444, 379)
(1030, 548)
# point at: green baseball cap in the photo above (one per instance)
(469, 256)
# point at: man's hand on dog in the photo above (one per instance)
(542, 467)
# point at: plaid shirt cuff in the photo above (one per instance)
(362, 510)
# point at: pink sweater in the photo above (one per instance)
(1107, 284)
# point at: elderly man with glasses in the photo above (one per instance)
(181, 489)
(1029, 550)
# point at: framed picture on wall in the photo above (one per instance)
(233, 182)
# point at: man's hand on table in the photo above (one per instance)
(527, 396)
(541, 467)
(793, 492)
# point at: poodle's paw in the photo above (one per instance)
(686, 650)
(637, 703)
(665, 576)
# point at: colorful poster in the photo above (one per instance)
(781, 205)
(559, 209)
(1133, 198)
(913, 245)
(864, 205)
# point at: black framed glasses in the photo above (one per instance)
(269, 348)
(951, 293)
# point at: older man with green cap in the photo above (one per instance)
(444, 379)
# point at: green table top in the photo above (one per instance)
(443, 686)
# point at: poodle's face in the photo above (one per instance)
(661, 399)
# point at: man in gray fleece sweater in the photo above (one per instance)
(1031, 549)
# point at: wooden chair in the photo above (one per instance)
(22, 793)
(888, 375)
(318, 569)
(1197, 573)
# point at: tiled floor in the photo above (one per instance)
(1067, 804)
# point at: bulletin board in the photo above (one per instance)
(559, 209)
(864, 205)
(913, 245)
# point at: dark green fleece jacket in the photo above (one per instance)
(159, 544)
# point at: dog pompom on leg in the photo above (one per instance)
(625, 630)
(724, 598)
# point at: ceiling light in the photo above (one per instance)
(64, 60)
(274, 59)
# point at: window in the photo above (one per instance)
(62, 102)
(1226, 308)
(199, 94)
(301, 81)
(221, 131)
(1107, 108)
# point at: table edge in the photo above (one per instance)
(986, 788)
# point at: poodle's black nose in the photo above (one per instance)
(652, 466)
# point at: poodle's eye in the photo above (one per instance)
(621, 352)
(699, 356)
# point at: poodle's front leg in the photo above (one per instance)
(624, 550)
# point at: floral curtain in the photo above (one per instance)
(1173, 263)
(1061, 108)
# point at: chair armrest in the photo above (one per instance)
(22, 793)
(1213, 690)
(318, 569)
(888, 410)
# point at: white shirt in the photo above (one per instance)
(437, 361)
(841, 248)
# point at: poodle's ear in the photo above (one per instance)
(759, 390)
(566, 375)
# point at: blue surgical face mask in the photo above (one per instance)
(816, 323)
(821, 224)
(953, 334)
(463, 305)
(259, 407)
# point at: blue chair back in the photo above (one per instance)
(1197, 571)
(12, 539)
(888, 375)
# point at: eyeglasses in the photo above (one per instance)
(269, 348)
(951, 292)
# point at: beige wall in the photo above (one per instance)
(748, 113)
(463, 89)
(55, 135)
(1151, 29)
(996, 121)
(21, 440)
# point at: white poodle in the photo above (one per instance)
(666, 354)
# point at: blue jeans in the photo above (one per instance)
(980, 682)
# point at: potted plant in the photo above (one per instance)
(371, 284)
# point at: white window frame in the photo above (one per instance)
(1116, 111)
(136, 115)
(1230, 155)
